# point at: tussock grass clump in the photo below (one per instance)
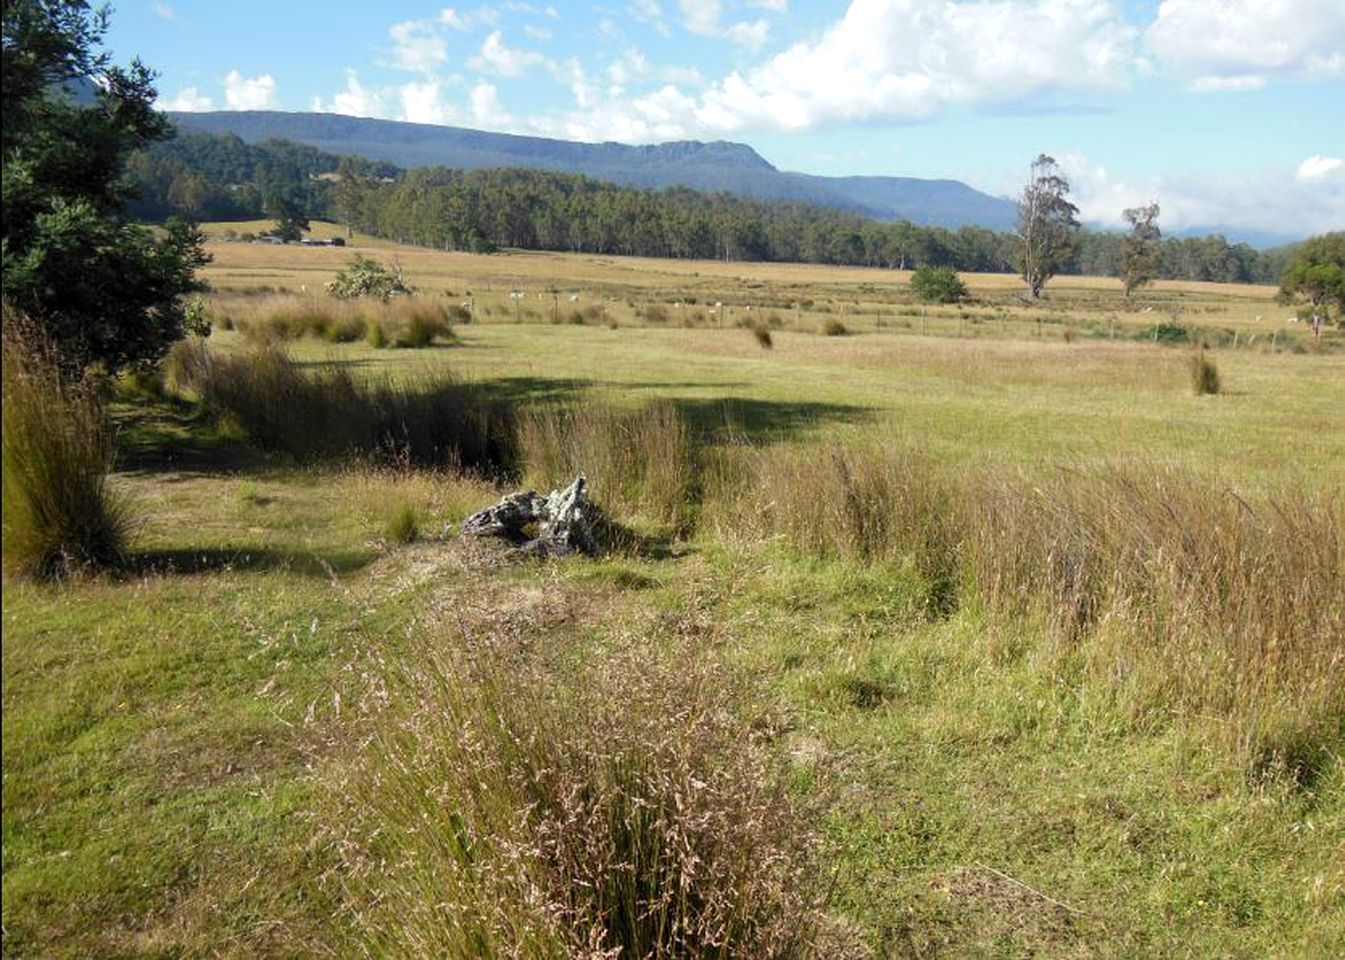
(430, 420)
(1204, 375)
(407, 322)
(403, 524)
(641, 461)
(61, 515)
(762, 332)
(1175, 594)
(616, 805)
(831, 327)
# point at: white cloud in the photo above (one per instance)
(424, 103)
(1317, 167)
(775, 6)
(188, 100)
(1272, 201)
(537, 33)
(1240, 82)
(464, 22)
(164, 11)
(416, 47)
(356, 100)
(504, 61)
(905, 59)
(1234, 38)
(487, 110)
(706, 18)
(250, 93)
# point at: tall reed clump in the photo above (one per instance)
(642, 462)
(407, 322)
(1204, 375)
(430, 420)
(618, 806)
(1174, 594)
(61, 515)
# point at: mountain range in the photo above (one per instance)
(711, 167)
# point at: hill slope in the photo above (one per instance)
(715, 166)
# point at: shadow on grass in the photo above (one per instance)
(327, 564)
(157, 436)
(764, 420)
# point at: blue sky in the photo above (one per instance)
(1230, 112)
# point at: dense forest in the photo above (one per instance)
(208, 177)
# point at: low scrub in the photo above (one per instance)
(326, 411)
(938, 285)
(831, 327)
(640, 462)
(61, 515)
(610, 805)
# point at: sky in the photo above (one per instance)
(1229, 113)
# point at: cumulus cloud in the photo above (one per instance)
(1271, 201)
(1234, 39)
(706, 18)
(423, 102)
(1318, 167)
(417, 48)
(497, 58)
(356, 100)
(250, 93)
(487, 110)
(1246, 81)
(188, 100)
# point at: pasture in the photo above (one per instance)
(1040, 652)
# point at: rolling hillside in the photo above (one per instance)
(716, 166)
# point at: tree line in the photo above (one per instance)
(209, 177)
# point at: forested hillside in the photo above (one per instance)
(207, 177)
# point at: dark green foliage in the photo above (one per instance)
(1169, 333)
(1317, 274)
(60, 514)
(100, 288)
(938, 285)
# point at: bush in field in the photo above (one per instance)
(365, 277)
(60, 514)
(834, 328)
(623, 806)
(762, 332)
(421, 325)
(938, 285)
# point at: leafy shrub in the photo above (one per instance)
(61, 516)
(938, 285)
(365, 277)
(1169, 333)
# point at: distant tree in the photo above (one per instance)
(938, 285)
(287, 209)
(349, 193)
(99, 287)
(1142, 250)
(1317, 275)
(1047, 224)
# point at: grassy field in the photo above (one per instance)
(196, 751)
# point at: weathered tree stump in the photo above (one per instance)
(560, 524)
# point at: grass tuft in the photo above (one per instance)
(614, 805)
(403, 525)
(1204, 375)
(61, 515)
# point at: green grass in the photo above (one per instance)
(177, 768)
